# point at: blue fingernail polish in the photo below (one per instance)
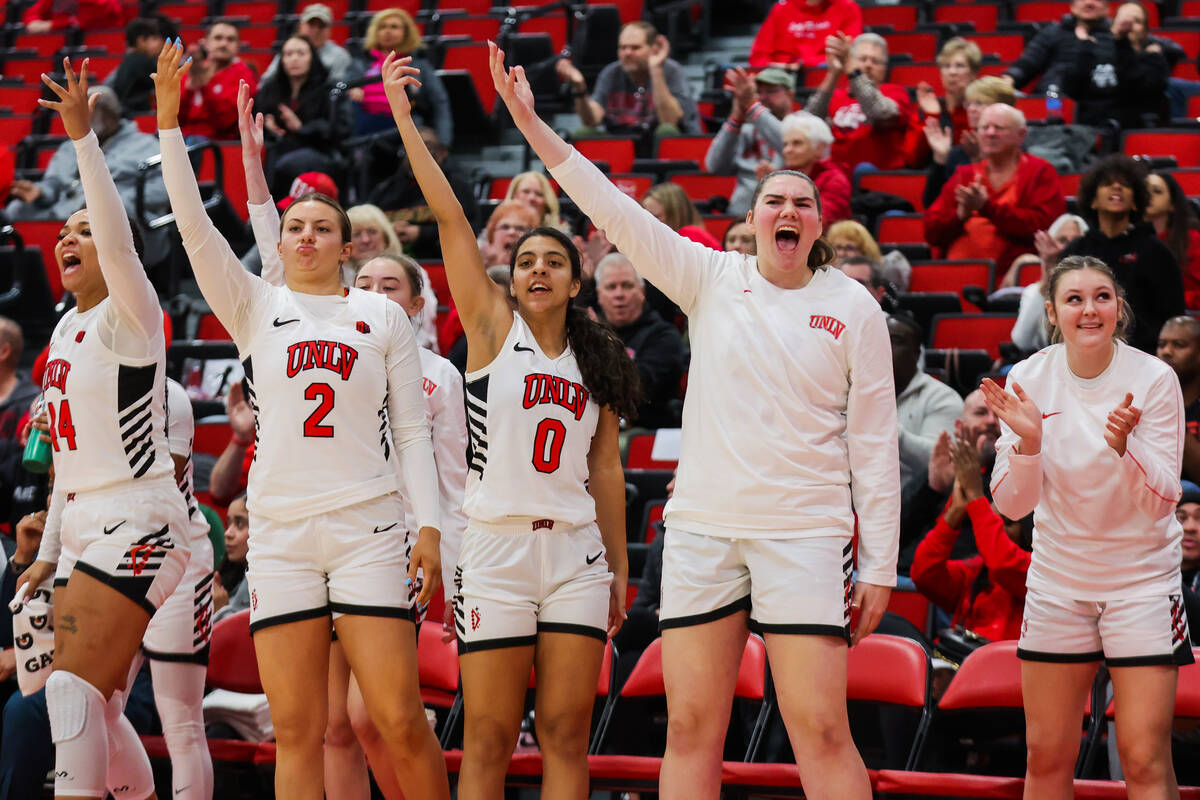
(188, 61)
(407, 581)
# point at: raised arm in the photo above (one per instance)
(132, 295)
(264, 216)
(226, 286)
(482, 306)
(674, 264)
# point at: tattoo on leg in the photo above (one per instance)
(67, 623)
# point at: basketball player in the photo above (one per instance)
(116, 534)
(1092, 443)
(542, 572)
(791, 422)
(335, 383)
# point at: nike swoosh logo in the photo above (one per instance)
(278, 323)
(108, 530)
(592, 559)
(517, 348)
(388, 528)
(1051, 414)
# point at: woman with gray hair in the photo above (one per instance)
(1030, 333)
(806, 142)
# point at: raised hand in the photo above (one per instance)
(1019, 413)
(512, 86)
(968, 472)
(168, 83)
(291, 122)
(398, 74)
(1121, 422)
(939, 139)
(250, 125)
(73, 104)
(741, 85)
(1048, 249)
(660, 51)
(941, 465)
(969, 142)
(837, 51)
(927, 100)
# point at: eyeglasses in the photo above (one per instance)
(505, 227)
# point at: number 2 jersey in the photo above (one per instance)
(530, 422)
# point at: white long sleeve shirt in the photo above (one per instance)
(790, 416)
(1104, 525)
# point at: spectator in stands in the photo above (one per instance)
(669, 203)
(1188, 514)
(1029, 332)
(985, 593)
(401, 198)
(144, 38)
(59, 194)
(534, 190)
(228, 476)
(1132, 22)
(1113, 198)
(1083, 59)
(303, 133)
(869, 118)
(740, 237)
(751, 138)
(17, 395)
(925, 407)
(849, 238)
(315, 22)
(511, 220)
(393, 30)
(958, 64)
(231, 589)
(208, 108)
(946, 156)
(644, 93)
(793, 34)
(1179, 347)
(55, 15)
(867, 272)
(992, 209)
(806, 141)
(1174, 220)
(652, 342)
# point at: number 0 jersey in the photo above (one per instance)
(530, 422)
(106, 411)
(319, 369)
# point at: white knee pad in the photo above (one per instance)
(129, 773)
(77, 727)
(178, 693)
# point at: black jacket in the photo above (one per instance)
(319, 129)
(400, 198)
(657, 349)
(132, 82)
(1147, 271)
(1105, 77)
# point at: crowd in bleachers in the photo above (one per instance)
(961, 149)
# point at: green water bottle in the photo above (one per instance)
(38, 454)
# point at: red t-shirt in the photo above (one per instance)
(856, 141)
(794, 32)
(89, 14)
(1190, 269)
(212, 110)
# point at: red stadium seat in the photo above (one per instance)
(920, 46)
(473, 57)
(15, 127)
(479, 29)
(983, 15)
(913, 74)
(20, 97)
(972, 331)
(1193, 106)
(1034, 106)
(1068, 182)
(44, 44)
(43, 234)
(913, 606)
(1029, 273)
(470, 6)
(185, 13)
(554, 24)
(211, 329)
(1008, 47)
(1040, 10)
(641, 445)
(615, 150)
(717, 226)
(1182, 144)
(437, 279)
(905, 682)
(702, 186)
(111, 40)
(212, 438)
(437, 665)
(909, 184)
(653, 515)
(684, 148)
(952, 276)
(901, 229)
(261, 10)
(232, 664)
(633, 184)
(630, 10)
(26, 65)
(1188, 38)
(1189, 181)
(900, 17)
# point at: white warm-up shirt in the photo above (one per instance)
(335, 380)
(1104, 525)
(181, 434)
(790, 416)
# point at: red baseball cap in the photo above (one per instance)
(308, 183)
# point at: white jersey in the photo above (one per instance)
(790, 416)
(443, 388)
(181, 431)
(531, 422)
(1104, 526)
(335, 380)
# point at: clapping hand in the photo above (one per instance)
(73, 104)
(1018, 412)
(1121, 422)
(941, 465)
(927, 100)
(837, 51)
(968, 472)
(1048, 249)
(741, 85)
(939, 139)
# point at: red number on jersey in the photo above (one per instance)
(312, 425)
(63, 426)
(548, 444)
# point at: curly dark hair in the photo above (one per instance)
(608, 371)
(1117, 167)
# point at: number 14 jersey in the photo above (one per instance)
(530, 422)
(335, 382)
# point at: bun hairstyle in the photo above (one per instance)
(1071, 264)
(608, 371)
(822, 253)
(318, 197)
